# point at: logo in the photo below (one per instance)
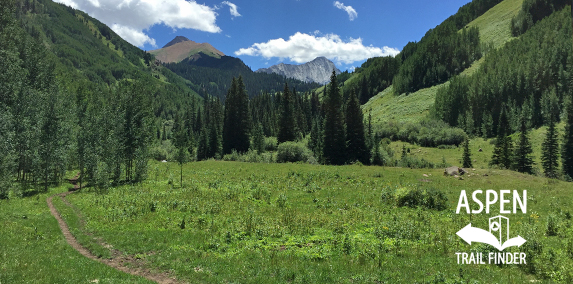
(498, 234)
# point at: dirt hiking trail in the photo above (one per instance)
(126, 263)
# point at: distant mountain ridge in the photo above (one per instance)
(181, 48)
(317, 70)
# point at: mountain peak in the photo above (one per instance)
(181, 47)
(176, 40)
(318, 70)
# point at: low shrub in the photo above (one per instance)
(415, 163)
(429, 198)
(427, 133)
(270, 144)
(293, 152)
(249, 157)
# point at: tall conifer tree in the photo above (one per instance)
(355, 139)
(236, 123)
(523, 161)
(287, 123)
(550, 151)
(502, 153)
(334, 147)
(467, 158)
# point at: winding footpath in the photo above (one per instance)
(119, 261)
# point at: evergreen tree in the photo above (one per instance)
(466, 158)
(181, 144)
(334, 147)
(355, 140)
(550, 151)
(567, 151)
(369, 135)
(189, 123)
(502, 152)
(523, 160)
(258, 138)
(215, 137)
(287, 123)
(315, 141)
(377, 156)
(236, 125)
(203, 144)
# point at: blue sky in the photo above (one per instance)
(264, 33)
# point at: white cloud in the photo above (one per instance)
(302, 48)
(68, 3)
(351, 12)
(132, 35)
(130, 18)
(232, 8)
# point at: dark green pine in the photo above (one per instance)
(355, 139)
(334, 147)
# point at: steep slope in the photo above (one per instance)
(181, 47)
(88, 51)
(494, 27)
(317, 70)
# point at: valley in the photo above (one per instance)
(450, 162)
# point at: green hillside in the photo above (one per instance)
(87, 50)
(494, 27)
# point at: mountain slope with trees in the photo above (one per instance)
(89, 52)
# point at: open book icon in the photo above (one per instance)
(472, 234)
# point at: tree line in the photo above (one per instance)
(335, 127)
(48, 127)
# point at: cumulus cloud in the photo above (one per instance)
(232, 8)
(301, 48)
(130, 18)
(351, 12)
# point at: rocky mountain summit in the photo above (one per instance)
(181, 48)
(317, 70)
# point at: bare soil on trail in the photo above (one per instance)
(126, 263)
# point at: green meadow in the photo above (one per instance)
(288, 223)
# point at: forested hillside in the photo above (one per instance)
(440, 54)
(529, 75)
(88, 52)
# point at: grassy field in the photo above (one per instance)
(33, 250)
(282, 223)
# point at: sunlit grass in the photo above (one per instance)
(281, 222)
